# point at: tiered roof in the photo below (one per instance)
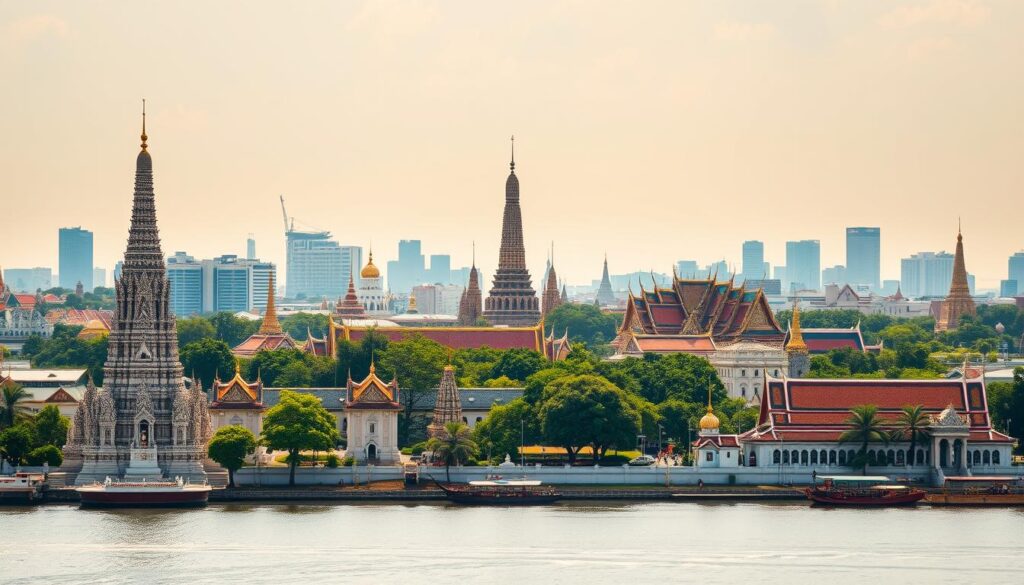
(372, 393)
(817, 409)
(823, 340)
(693, 315)
(270, 335)
(238, 394)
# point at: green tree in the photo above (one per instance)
(517, 364)
(300, 325)
(48, 454)
(51, 426)
(232, 330)
(1006, 405)
(585, 323)
(588, 410)
(16, 442)
(65, 349)
(658, 378)
(230, 446)
(192, 329)
(865, 428)
(453, 446)
(295, 375)
(292, 368)
(911, 425)
(417, 363)
(32, 345)
(298, 422)
(353, 358)
(208, 358)
(10, 411)
(506, 428)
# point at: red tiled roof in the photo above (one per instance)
(257, 343)
(689, 344)
(894, 394)
(718, 440)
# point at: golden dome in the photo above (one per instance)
(370, 271)
(709, 422)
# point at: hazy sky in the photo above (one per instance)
(656, 131)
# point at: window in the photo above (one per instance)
(995, 458)
(776, 457)
(831, 457)
(986, 458)
(728, 455)
(785, 457)
(373, 428)
(755, 373)
(743, 373)
(709, 456)
(814, 457)
(842, 458)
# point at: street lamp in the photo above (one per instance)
(522, 442)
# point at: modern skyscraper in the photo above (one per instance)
(226, 283)
(75, 262)
(315, 264)
(753, 260)
(687, 269)
(512, 300)
(28, 279)
(250, 249)
(409, 270)
(185, 277)
(926, 274)
(440, 271)
(834, 275)
(118, 267)
(863, 256)
(143, 424)
(803, 265)
(1015, 270)
(99, 276)
(1008, 288)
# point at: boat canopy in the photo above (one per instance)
(872, 479)
(983, 478)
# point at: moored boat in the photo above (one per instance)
(501, 492)
(21, 488)
(858, 490)
(144, 494)
(982, 490)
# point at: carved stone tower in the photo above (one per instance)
(471, 303)
(447, 407)
(512, 300)
(605, 296)
(143, 422)
(551, 297)
(958, 302)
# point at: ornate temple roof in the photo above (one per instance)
(372, 393)
(236, 393)
(817, 409)
(270, 335)
(349, 305)
(959, 301)
(795, 341)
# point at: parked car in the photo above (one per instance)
(642, 461)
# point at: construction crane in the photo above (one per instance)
(285, 215)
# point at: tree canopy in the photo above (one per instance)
(230, 446)
(296, 423)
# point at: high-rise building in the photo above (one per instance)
(803, 265)
(512, 300)
(753, 260)
(143, 424)
(409, 270)
(1008, 288)
(926, 274)
(316, 265)
(864, 256)
(834, 275)
(1015, 270)
(438, 299)
(440, 271)
(118, 267)
(75, 262)
(99, 276)
(28, 279)
(250, 250)
(687, 268)
(226, 283)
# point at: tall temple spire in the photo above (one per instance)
(959, 301)
(512, 299)
(447, 406)
(143, 250)
(605, 295)
(270, 325)
(551, 297)
(796, 337)
(144, 137)
(349, 306)
(471, 303)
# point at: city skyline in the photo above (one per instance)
(422, 169)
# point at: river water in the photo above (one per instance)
(588, 543)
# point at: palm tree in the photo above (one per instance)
(454, 444)
(10, 412)
(865, 427)
(913, 426)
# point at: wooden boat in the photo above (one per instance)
(982, 490)
(144, 494)
(501, 492)
(857, 490)
(21, 488)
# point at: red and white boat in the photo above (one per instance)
(862, 490)
(21, 488)
(144, 494)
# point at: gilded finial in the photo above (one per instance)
(238, 368)
(144, 137)
(512, 165)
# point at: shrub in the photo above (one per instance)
(347, 461)
(332, 461)
(418, 448)
(45, 454)
(407, 451)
